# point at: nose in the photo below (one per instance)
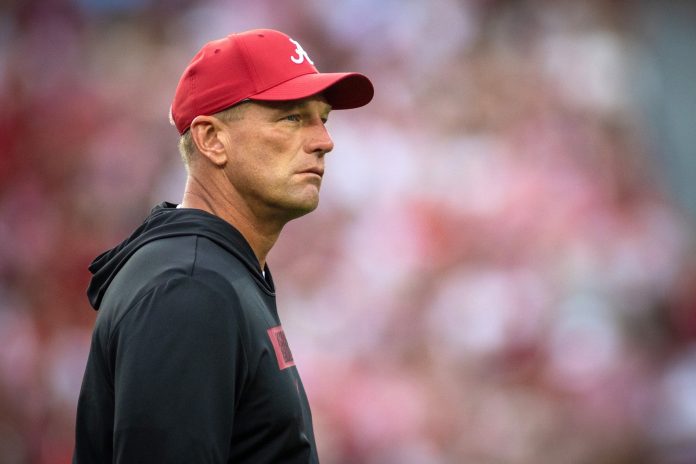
(319, 141)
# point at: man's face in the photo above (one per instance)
(276, 156)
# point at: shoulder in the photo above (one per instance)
(169, 278)
(159, 262)
(182, 305)
(205, 294)
(185, 255)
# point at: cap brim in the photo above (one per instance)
(342, 90)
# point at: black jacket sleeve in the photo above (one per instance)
(179, 366)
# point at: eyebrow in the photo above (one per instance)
(296, 104)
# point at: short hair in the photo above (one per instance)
(187, 148)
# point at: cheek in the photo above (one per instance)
(262, 158)
(275, 154)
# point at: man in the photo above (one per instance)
(189, 362)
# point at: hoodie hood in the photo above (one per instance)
(165, 221)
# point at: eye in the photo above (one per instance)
(293, 117)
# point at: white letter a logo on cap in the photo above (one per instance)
(301, 54)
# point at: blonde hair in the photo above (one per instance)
(187, 148)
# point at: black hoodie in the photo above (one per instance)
(188, 362)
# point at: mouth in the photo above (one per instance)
(317, 171)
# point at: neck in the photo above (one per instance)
(260, 235)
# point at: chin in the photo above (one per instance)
(306, 208)
(296, 209)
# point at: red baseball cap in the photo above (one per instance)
(260, 64)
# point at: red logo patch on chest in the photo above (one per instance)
(281, 347)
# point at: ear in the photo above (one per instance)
(207, 135)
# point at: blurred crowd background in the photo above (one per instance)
(502, 267)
